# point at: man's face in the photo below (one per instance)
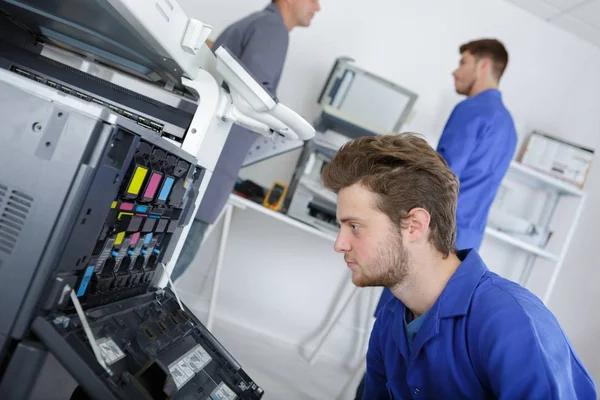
(304, 11)
(371, 244)
(466, 74)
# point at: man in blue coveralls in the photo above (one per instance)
(453, 329)
(478, 141)
(260, 42)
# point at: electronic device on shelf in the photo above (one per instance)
(275, 196)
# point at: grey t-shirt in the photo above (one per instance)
(260, 42)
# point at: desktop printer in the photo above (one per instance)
(114, 115)
(354, 103)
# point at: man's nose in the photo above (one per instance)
(341, 245)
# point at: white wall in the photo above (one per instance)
(552, 84)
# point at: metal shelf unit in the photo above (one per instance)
(556, 189)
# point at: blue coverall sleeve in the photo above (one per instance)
(529, 358)
(264, 51)
(375, 380)
(459, 138)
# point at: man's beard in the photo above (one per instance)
(388, 269)
(466, 90)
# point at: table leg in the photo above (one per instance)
(352, 383)
(220, 259)
(210, 229)
(332, 323)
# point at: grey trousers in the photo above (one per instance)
(190, 248)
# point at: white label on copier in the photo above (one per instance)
(188, 365)
(186, 370)
(223, 392)
(109, 350)
(202, 354)
(197, 358)
(178, 376)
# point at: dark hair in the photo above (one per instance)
(405, 173)
(489, 48)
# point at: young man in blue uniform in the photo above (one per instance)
(478, 141)
(260, 42)
(453, 329)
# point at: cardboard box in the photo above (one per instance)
(557, 157)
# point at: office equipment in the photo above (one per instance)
(113, 120)
(253, 107)
(91, 207)
(249, 190)
(346, 114)
(557, 157)
(269, 147)
(346, 110)
(311, 202)
(275, 196)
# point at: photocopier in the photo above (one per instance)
(114, 113)
(354, 102)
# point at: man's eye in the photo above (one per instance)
(354, 227)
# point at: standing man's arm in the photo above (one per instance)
(264, 51)
(460, 136)
(375, 379)
(528, 357)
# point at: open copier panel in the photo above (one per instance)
(92, 205)
(95, 211)
(138, 226)
(156, 350)
(154, 347)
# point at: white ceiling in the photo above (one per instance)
(580, 17)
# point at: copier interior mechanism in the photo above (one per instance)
(96, 207)
(105, 157)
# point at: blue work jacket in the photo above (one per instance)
(478, 143)
(485, 337)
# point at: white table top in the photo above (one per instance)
(242, 203)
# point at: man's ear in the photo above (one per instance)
(418, 220)
(485, 64)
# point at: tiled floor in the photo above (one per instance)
(279, 368)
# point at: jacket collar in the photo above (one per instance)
(456, 297)
(458, 293)
(490, 92)
(453, 302)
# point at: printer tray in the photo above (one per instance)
(153, 349)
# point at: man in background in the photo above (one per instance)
(479, 139)
(452, 329)
(478, 142)
(260, 42)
